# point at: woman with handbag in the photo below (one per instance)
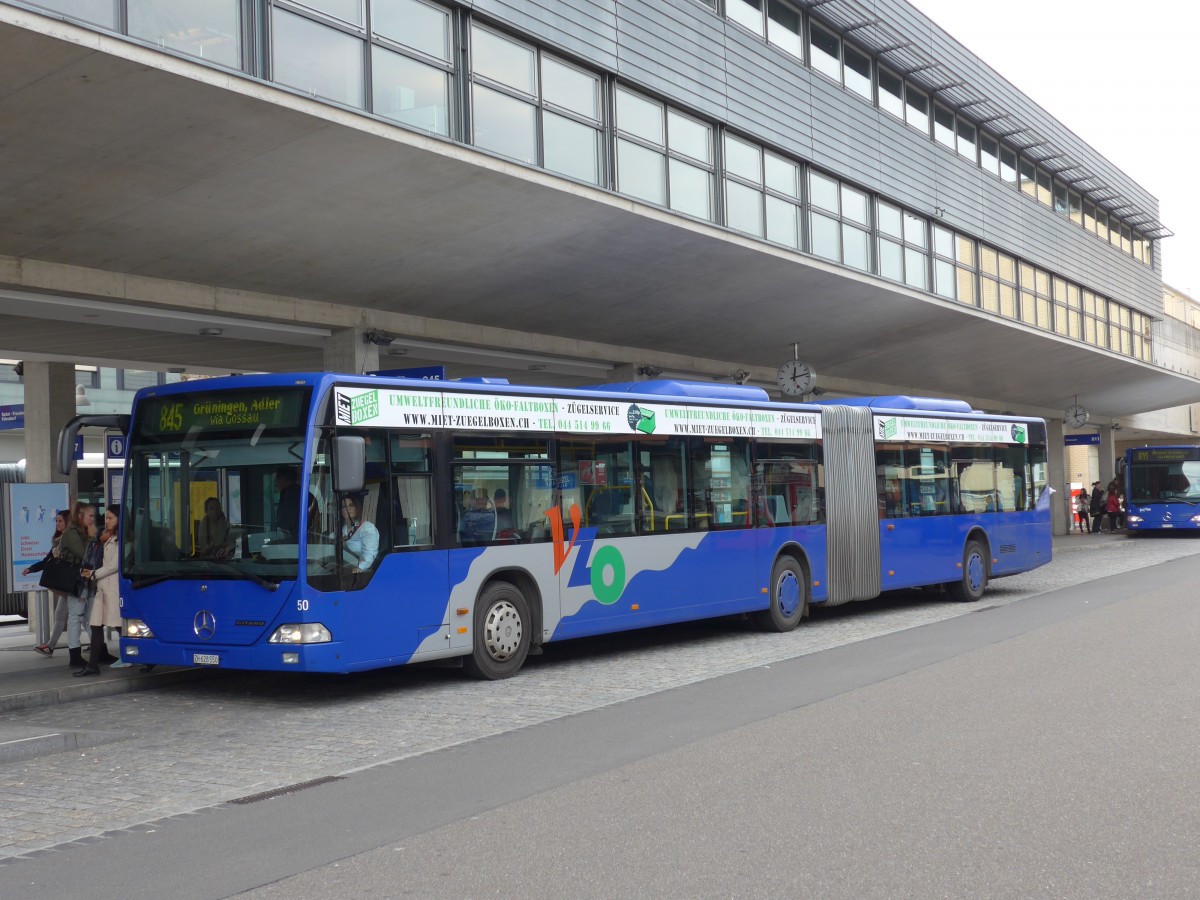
(58, 597)
(106, 607)
(79, 533)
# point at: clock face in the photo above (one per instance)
(1076, 416)
(797, 377)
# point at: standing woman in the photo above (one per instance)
(106, 607)
(79, 533)
(1112, 506)
(60, 599)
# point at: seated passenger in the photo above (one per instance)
(213, 540)
(504, 516)
(478, 524)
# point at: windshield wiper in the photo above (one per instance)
(248, 575)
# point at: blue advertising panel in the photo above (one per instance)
(31, 509)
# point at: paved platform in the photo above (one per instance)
(29, 680)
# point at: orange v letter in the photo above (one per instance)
(556, 532)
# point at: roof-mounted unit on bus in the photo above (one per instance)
(708, 390)
(923, 404)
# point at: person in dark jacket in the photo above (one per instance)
(79, 533)
(1097, 507)
(60, 599)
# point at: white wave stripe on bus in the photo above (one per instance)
(538, 561)
(638, 554)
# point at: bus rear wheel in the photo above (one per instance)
(789, 597)
(974, 581)
(502, 634)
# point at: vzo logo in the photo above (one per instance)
(604, 570)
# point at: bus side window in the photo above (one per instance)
(890, 474)
(412, 490)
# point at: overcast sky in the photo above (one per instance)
(1122, 76)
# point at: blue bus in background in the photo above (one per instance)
(1162, 488)
(336, 523)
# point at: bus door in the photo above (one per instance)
(501, 488)
(852, 516)
(919, 535)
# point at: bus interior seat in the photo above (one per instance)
(778, 510)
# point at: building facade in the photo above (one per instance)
(573, 191)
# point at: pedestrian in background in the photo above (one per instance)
(1096, 507)
(1112, 506)
(58, 598)
(1082, 515)
(79, 533)
(106, 605)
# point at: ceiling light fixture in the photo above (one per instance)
(212, 330)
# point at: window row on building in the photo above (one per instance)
(838, 59)
(848, 225)
(397, 59)
(92, 377)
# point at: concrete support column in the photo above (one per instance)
(49, 405)
(1107, 454)
(347, 351)
(1056, 458)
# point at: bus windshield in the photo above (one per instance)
(213, 496)
(1165, 482)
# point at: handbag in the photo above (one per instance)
(59, 575)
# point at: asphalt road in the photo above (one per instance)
(1044, 747)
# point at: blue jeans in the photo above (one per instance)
(79, 611)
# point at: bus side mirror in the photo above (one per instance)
(349, 463)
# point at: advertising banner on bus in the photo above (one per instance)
(956, 431)
(383, 408)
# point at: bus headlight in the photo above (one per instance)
(301, 633)
(1196, 518)
(1134, 519)
(136, 628)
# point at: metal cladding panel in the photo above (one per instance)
(852, 508)
(676, 49)
(769, 93)
(584, 28)
(845, 133)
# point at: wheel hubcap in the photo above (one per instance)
(787, 591)
(975, 572)
(502, 631)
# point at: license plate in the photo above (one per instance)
(205, 659)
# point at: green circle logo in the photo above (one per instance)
(608, 559)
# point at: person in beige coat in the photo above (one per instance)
(106, 607)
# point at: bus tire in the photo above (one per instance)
(789, 597)
(502, 633)
(974, 581)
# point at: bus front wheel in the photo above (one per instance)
(789, 597)
(502, 634)
(973, 583)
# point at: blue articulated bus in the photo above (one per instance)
(1162, 488)
(336, 523)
